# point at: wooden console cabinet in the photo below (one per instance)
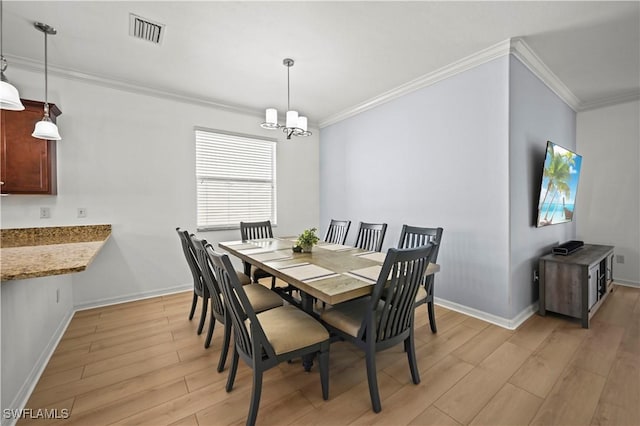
(28, 164)
(576, 285)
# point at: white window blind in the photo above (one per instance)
(235, 178)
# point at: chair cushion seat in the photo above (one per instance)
(258, 273)
(244, 280)
(261, 298)
(421, 296)
(347, 316)
(288, 328)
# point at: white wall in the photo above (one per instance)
(536, 115)
(434, 157)
(129, 159)
(608, 204)
(32, 321)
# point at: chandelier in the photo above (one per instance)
(295, 125)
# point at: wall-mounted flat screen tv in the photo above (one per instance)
(560, 176)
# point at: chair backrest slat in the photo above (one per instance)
(337, 231)
(371, 236)
(201, 247)
(392, 301)
(414, 236)
(256, 230)
(249, 342)
(190, 254)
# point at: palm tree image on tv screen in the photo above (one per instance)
(559, 185)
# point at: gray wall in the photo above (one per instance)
(465, 154)
(609, 201)
(434, 157)
(536, 115)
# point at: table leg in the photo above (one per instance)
(307, 306)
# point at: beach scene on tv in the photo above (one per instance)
(559, 185)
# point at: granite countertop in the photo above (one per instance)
(40, 252)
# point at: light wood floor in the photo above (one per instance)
(142, 363)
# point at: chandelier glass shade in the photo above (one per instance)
(45, 128)
(9, 96)
(295, 124)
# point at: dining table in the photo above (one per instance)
(331, 273)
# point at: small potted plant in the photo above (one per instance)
(306, 240)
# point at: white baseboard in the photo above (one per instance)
(510, 324)
(627, 283)
(31, 381)
(132, 297)
(21, 398)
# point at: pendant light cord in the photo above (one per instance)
(46, 79)
(3, 62)
(1, 29)
(288, 90)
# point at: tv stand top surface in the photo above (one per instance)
(588, 254)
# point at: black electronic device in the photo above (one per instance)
(568, 247)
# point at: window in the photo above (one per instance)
(235, 178)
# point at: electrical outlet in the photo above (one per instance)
(619, 258)
(82, 212)
(45, 213)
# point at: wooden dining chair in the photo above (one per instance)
(199, 288)
(260, 297)
(385, 318)
(414, 236)
(337, 231)
(263, 340)
(371, 236)
(255, 231)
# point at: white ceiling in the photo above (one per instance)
(346, 52)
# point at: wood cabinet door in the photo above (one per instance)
(28, 164)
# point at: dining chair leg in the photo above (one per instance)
(255, 396)
(225, 345)
(372, 378)
(323, 360)
(203, 317)
(273, 283)
(232, 370)
(432, 317)
(212, 325)
(193, 306)
(411, 356)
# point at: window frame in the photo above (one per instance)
(199, 178)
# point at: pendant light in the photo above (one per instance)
(294, 125)
(9, 97)
(46, 129)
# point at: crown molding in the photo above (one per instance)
(514, 46)
(621, 98)
(464, 64)
(523, 52)
(129, 86)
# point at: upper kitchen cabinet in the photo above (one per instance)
(28, 164)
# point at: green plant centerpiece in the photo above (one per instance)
(306, 241)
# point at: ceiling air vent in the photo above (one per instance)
(145, 29)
